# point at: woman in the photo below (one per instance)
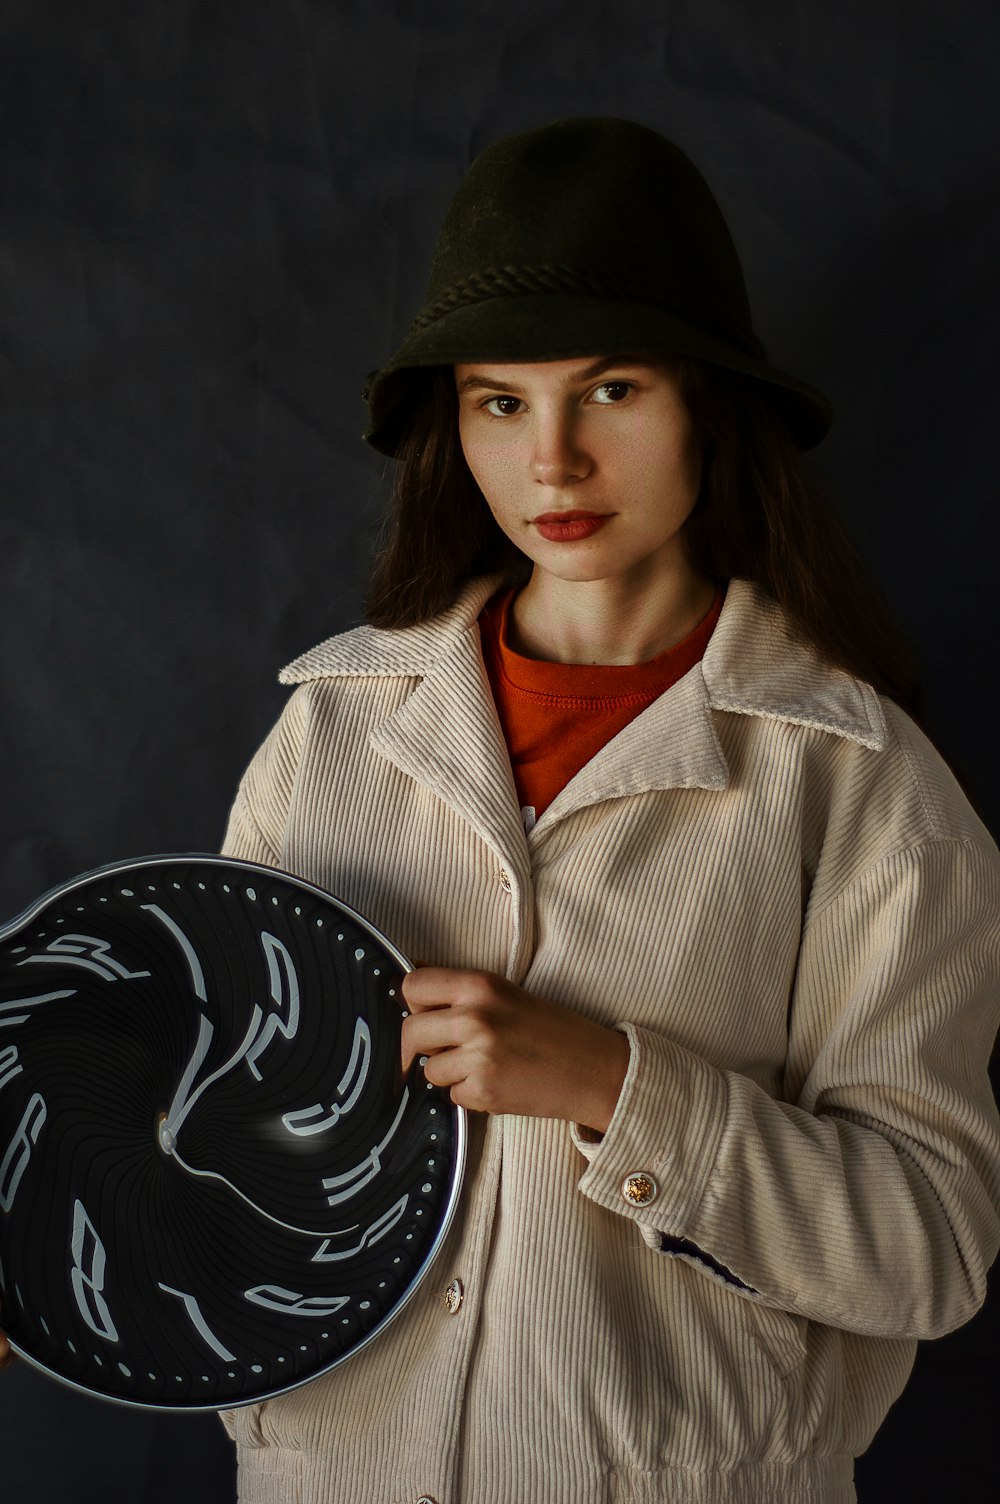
(708, 933)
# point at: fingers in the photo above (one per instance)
(439, 1028)
(441, 986)
(424, 1033)
(447, 1004)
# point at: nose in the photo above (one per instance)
(558, 455)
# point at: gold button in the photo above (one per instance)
(454, 1295)
(640, 1188)
(505, 880)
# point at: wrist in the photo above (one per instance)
(595, 1114)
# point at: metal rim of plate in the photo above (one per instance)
(214, 1186)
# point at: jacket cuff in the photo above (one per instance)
(653, 1163)
(228, 1419)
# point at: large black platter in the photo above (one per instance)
(214, 1183)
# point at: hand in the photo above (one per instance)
(500, 1049)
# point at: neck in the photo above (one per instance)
(609, 621)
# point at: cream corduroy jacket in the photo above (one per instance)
(773, 884)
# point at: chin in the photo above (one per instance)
(573, 572)
(585, 566)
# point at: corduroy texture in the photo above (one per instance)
(773, 883)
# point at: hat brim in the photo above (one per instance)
(535, 327)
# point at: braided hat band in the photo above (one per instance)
(513, 281)
(589, 236)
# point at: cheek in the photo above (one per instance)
(475, 454)
(492, 471)
(680, 466)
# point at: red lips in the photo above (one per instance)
(570, 526)
(568, 516)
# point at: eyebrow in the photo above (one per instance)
(483, 381)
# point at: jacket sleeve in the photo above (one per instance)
(870, 1200)
(259, 815)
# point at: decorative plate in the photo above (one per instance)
(214, 1183)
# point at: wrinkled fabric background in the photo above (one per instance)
(217, 216)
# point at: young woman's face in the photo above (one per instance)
(590, 466)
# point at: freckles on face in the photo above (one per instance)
(589, 466)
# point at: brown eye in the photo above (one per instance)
(502, 407)
(610, 392)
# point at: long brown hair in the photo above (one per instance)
(760, 516)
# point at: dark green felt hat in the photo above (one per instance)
(588, 236)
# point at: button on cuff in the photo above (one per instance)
(639, 1188)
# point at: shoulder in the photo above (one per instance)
(861, 778)
(920, 769)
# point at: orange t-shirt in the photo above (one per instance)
(557, 716)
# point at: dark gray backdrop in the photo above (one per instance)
(218, 216)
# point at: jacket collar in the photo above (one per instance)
(408, 651)
(753, 666)
(755, 663)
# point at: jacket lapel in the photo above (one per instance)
(671, 745)
(447, 736)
